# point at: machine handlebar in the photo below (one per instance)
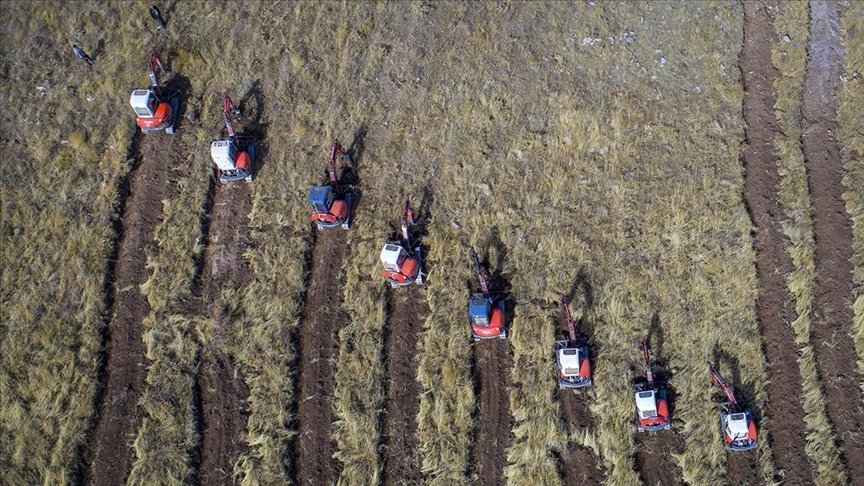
(649, 375)
(479, 270)
(571, 326)
(227, 110)
(719, 381)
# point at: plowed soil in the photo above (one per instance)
(831, 318)
(493, 360)
(579, 465)
(654, 457)
(319, 348)
(407, 312)
(223, 393)
(743, 467)
(126, 363)
(774, 304)
(654, 449)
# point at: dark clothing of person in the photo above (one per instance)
(157, 16)
(82, 55)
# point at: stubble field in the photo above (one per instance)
(687, 171)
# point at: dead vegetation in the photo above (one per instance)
(65, 158)
(578, 138)
(852, 150)
(789, 55)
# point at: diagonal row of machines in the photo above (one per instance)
(332, 204)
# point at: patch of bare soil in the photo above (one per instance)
(222, 391)
(126, 363)
(831, 318)
(744, 467)
(407, 312)
(493, 360)
(774, 304)
(318, 350)
(578, 464)
(654, 457)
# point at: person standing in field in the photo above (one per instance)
(82, 55)
(157, 16)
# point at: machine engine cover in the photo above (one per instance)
(224, 154)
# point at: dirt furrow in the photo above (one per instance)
(578, 464)
(222, 392)
(125, 363)
(774, 308)
(654, 457)
(493, 360)
(654, 449)
(318, 350)
(407, 312)
(744, 467)
(831, 318)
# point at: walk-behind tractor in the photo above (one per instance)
(652, 408)
(739, 430)
(574, 365)
(331, 204)
(234, 156)
(485, 312)
(401, 257)
(158, 106)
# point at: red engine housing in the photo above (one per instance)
(161, 117)
(338, 212)
(495, 327)
(407, 273)
(662, 417)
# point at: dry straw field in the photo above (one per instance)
(691, 172)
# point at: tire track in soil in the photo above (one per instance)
(125, 363)
(493, 360)
(223, 393)
(831, 323)
(318, 348)
(399, 441)
(578, 464)
(744, 466)
(654, 457)
(774, 304)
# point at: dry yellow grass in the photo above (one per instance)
(168, 432)
(851, 139)
(63, 158)
(791, 22)
(175, 339)
(602, 138)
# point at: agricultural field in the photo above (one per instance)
(689, 172)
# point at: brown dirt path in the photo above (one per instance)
(578, 464)
(318, 349)
(831, 318)
(400, 446)
(744, 467)
(126, 363)
(493, 360)
(774, 304)
(654, 457)
(222, 392)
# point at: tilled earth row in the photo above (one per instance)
(125, 365)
